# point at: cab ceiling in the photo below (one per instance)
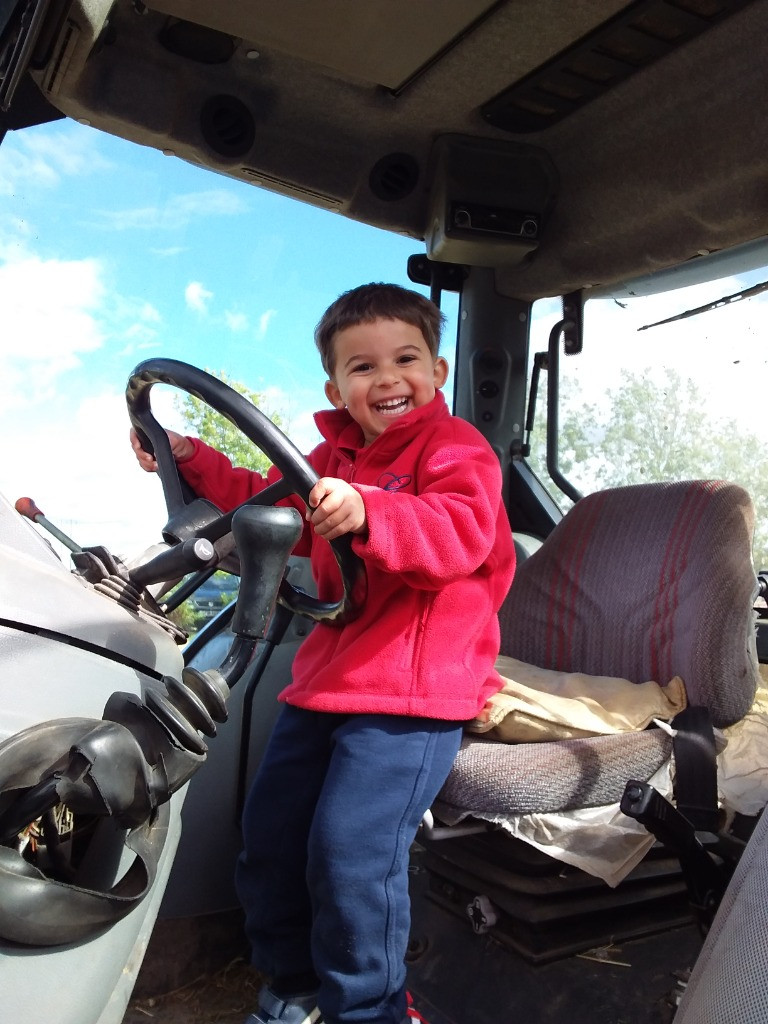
(342, 37)
(340, 104)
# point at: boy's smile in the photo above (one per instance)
(383, 369)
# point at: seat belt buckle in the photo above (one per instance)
(705, 875)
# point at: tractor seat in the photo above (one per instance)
(641, 583)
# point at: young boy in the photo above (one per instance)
(373, 716)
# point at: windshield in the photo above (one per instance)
(111, 253)
(682, 400)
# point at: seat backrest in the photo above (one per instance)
(646, 582)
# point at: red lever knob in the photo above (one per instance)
(27, 507)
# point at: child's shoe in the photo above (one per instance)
(410, 1013)
(301, 1009)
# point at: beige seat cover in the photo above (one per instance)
(537, 704)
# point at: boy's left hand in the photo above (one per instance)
(335, 508)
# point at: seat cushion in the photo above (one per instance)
(491, 779)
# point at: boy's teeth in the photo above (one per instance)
(393, 404)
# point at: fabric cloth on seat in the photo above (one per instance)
(742, 769)
(537, 704)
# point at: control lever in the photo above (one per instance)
(265, 536)
(190, 555)
(167, 723)
(27, 507)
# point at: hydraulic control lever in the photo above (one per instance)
(189, 556)
(265, 536)
(27, 507)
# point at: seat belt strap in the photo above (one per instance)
(696, 768)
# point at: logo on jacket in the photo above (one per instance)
(390, 482)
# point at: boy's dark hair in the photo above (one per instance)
(371, 302)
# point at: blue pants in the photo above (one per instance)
(327, 828)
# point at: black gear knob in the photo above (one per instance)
(265, 536)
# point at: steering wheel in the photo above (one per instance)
(298, 477)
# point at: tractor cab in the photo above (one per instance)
(582, 190)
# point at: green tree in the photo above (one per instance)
(661, 431)
(184, 616)
(216, 430)
(651, 430)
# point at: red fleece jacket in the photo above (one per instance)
(439, 557)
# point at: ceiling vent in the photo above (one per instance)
(227, 126)
(394, 177)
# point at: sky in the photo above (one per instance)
(111, 253)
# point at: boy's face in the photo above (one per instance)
(383, 370)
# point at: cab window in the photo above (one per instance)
(658, 395)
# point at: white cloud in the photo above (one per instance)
(197, 297)
(139, 336)
(235, 321)
(150, 313)
(264, 322)
(85, 477)
(63, 446)
(42, 159)
(49, 320)
(177, 212)
(141, 320)
(169, 250)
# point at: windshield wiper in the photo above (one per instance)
(745, 294)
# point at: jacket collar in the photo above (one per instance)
(345, 435)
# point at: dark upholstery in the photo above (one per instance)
(642, 582)
(729, 984)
